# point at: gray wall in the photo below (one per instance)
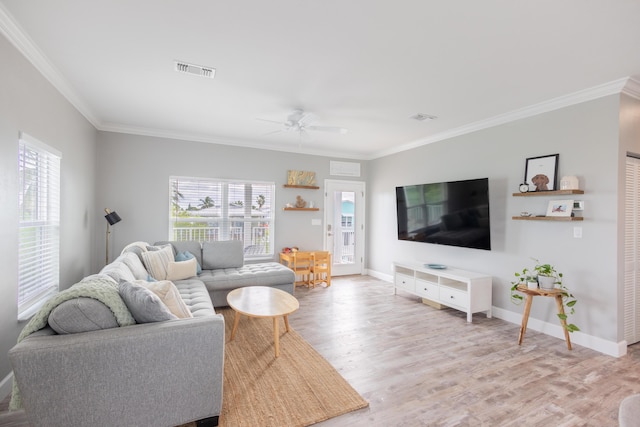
(586, 137)
(133, 177)
(29, 103)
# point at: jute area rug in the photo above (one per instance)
(299, 388)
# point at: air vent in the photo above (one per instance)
(422, 117)
(196, 70)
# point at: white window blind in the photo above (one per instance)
(632, 252)
(39, 228)
(205, 209)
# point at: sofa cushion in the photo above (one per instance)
(118, 270)
(131, 260)
(224, 254)
(169, 295)
(260, 274)
(179, 270)
(81, 315)
(157, 262)
(144, 305)
(137, 248)
(196, 297)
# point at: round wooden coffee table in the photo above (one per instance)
(262, 301)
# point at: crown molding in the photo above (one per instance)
(23, 43)
(239, 143)
(626, 85)
(632, 88)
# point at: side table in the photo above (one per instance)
(530, 293)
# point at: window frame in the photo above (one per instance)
(38, 224)
(219, 195)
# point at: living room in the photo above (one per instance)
(592, 128)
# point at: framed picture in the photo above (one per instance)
(560, 208)
(541, 173)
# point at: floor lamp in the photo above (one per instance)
(112, 218)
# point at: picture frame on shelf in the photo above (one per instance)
(563, 208)
(541, 173)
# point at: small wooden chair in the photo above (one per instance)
(321, 268)
(302, 262)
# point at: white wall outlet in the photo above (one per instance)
(577, 232)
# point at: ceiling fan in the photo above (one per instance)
(300, 121)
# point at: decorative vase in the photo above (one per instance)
(569, 183)
(532, 285)
(547, 282)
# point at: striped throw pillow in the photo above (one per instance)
(156, 262)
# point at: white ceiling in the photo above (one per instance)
(366, 65)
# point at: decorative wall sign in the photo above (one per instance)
(541, 173)
(301, 178)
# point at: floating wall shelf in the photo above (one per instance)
(548, 218)
(308, 187)
(548, 193)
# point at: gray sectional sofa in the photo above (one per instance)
(85, 365)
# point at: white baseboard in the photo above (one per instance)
(610, 348)
(6, 385)
(381, 276)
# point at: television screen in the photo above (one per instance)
(447, 213)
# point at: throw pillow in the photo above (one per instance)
(170, 296)
(144, 305)
(81, 315)
(180, 270)
(186, 255)
(157, 262)
(154, 248)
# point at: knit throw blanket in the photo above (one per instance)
(102, 289)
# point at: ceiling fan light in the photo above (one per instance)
(421, 117)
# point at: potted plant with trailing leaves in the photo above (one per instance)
(547, 274)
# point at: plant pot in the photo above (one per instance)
(547, 282)
(532, 285)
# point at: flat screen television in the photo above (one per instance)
(446, 213)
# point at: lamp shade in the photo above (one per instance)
(112, 217)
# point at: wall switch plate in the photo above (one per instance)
(316, 222)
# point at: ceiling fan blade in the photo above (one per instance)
(333, 129)
(269, 121)
(272, 132)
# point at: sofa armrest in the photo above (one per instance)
(160, 374)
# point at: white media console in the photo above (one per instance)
(463, 290)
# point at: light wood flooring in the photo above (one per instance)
(419, 366)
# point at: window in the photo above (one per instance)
(39, 218)
(211, 209)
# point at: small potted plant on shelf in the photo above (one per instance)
(548, 278)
